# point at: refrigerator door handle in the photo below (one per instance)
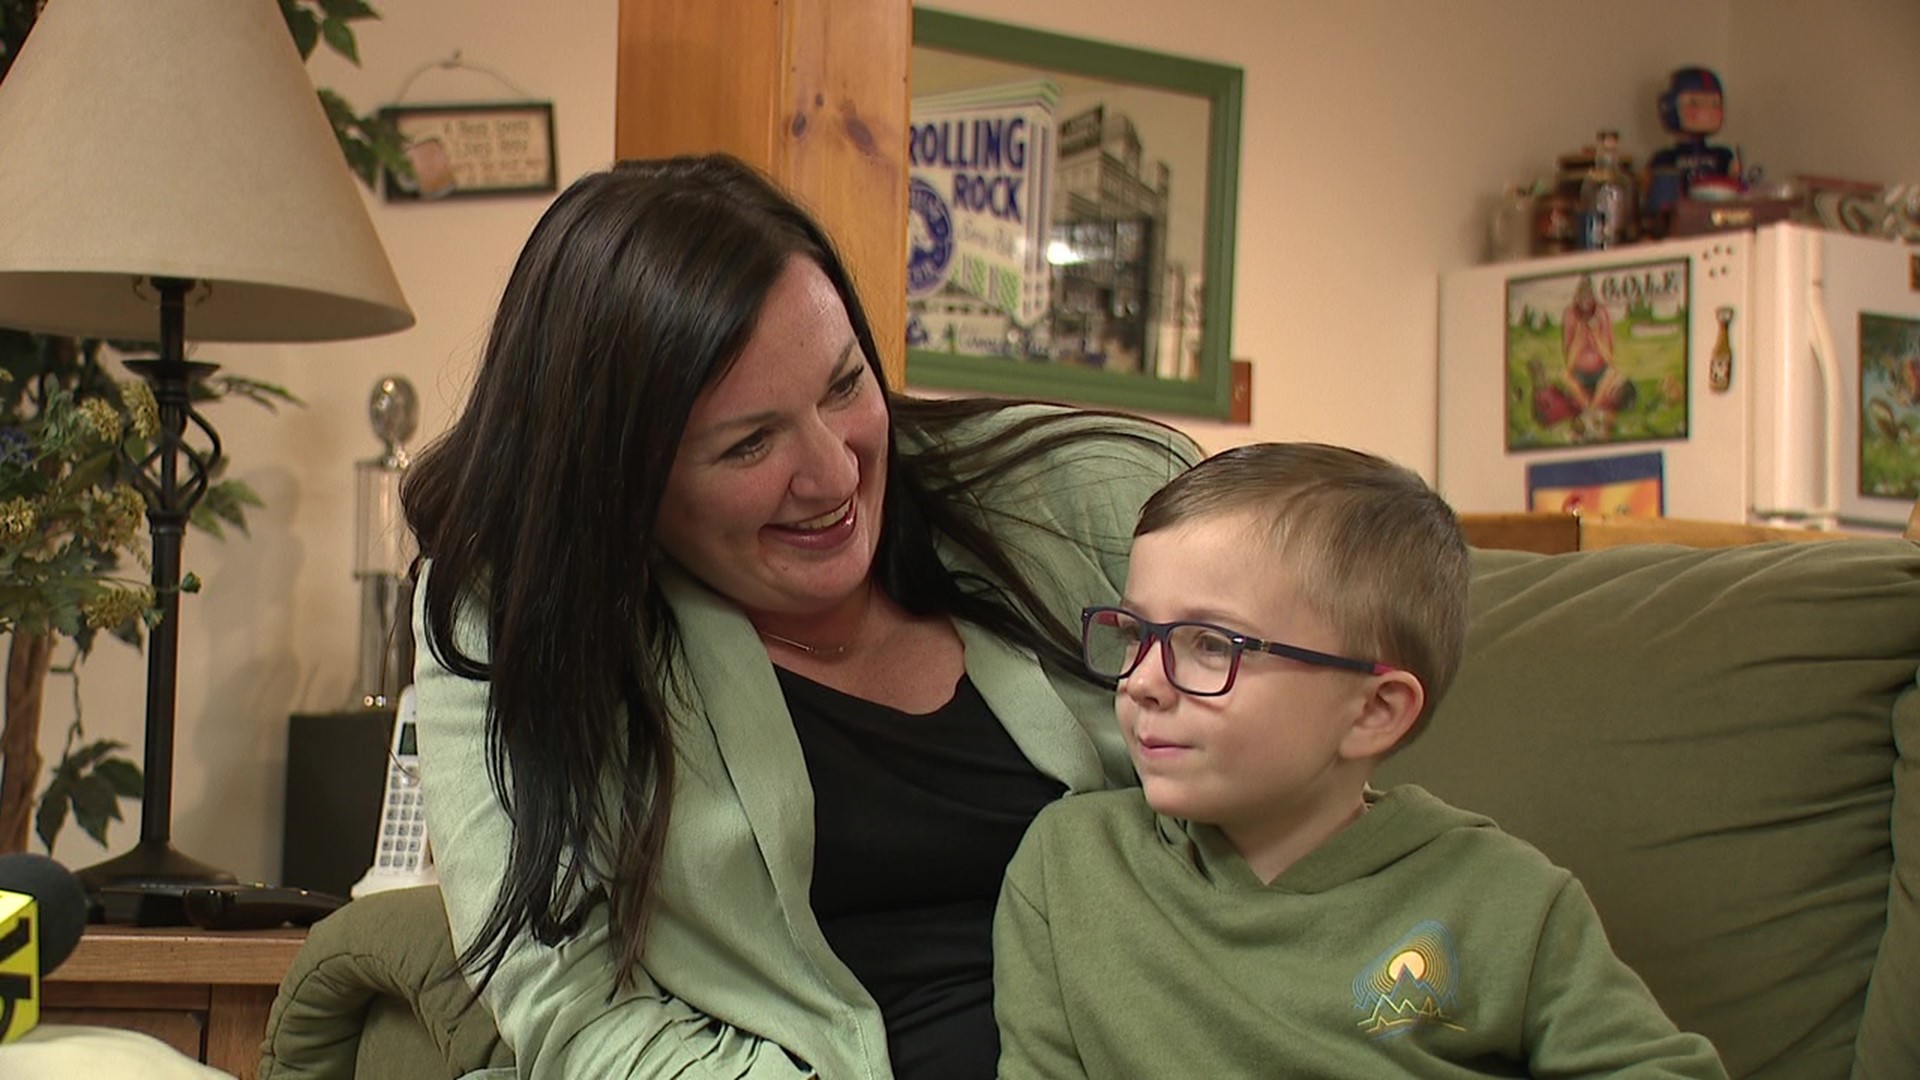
(1827, 514)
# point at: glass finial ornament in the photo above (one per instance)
(384, 549)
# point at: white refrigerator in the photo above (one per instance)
(1770, 376)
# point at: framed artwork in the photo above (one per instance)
(1071, 218)
(1598, 356)
(1630, 485)
(460, 151)
(1889, 406)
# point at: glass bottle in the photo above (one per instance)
(1607, 214)
(1510, 231)
(1556, 206)
(1720, 364)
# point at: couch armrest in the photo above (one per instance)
(392, 945)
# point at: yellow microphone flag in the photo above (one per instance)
(19, 965)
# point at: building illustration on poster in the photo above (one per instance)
(1043, 239)
(1108, 246)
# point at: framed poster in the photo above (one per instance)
(1889, 406)
(1630, 485)
(1598, 356)
(1071, 218)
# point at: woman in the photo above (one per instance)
(717, 635)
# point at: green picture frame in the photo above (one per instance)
(1163, 346)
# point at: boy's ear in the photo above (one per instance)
(1392, 703)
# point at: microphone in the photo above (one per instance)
(43, 911)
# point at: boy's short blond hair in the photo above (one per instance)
(1368, 545)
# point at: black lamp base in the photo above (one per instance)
(152, 863)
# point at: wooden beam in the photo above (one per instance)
(814, 92)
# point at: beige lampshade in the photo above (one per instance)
(180, 138)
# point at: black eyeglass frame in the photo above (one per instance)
(1153, 631)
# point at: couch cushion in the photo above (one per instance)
(1890, 1032)
(1707, 738)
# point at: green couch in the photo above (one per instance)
(1723, 744)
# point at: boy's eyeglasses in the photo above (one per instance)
(1199, 658)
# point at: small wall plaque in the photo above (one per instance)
(460, 151)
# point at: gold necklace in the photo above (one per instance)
(826, 651)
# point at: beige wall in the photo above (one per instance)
(1832, 88)
(1376, 131)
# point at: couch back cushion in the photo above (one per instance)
(1710, 740)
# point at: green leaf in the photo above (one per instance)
(190, 582)
(65, 618)
(226, 501)
(304, 24)
(338, 111)
(339, 38)
(129, 632)
(203, 518)
(87, 756)
(52, 814)
(361, 158)
(94, 805)
(122, 776)
(91, 469)
(346, 10)
(239, 492)
(388, 145)
(271, 395)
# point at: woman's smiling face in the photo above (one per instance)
(775, 495)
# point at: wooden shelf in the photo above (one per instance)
(205, 993)
(1553, 534)
(132, 954)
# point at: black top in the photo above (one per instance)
(911, 916)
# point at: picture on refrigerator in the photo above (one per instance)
(1889, 406)
(1624, 486)
(1597, 356)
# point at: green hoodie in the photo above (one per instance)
(1418, 941)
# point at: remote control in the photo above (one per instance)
(255, 907)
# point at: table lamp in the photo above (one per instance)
(167, 168)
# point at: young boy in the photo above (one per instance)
(1292, 614)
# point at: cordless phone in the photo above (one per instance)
(400, 854)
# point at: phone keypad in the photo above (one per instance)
(403, 822)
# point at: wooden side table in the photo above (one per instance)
(204, 993)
